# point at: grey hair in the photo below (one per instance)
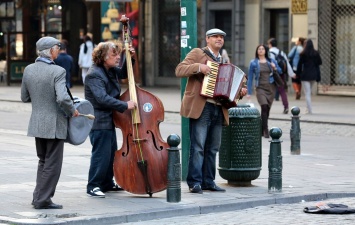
(46, 53)
(111, 45)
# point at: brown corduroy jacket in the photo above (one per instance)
(193, 103)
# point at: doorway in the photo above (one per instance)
(279, 28)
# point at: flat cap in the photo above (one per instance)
(46, 43)
(215, 31)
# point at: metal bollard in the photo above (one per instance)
(275, 161)
(173, 192)
(295, 132)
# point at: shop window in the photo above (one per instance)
(53, 19)
(7, 9)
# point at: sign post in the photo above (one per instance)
(188, 32)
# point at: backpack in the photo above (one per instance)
(281, 61)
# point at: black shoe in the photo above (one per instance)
(114, 188)
(196, 189)
(286, 111)
(50, 206)
(214, 188)
(96, 192)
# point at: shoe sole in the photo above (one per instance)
(195, 192)
(96, 196)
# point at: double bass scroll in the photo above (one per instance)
(140, 166)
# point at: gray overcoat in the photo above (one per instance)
(44, 86)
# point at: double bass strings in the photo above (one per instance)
(135, 111)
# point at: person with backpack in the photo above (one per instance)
(286, 68)
(294, 57)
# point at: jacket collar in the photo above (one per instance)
(45, 60)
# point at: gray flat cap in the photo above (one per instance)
(215, 31)
(46, 43)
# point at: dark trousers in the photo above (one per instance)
(205, 137)
(50, 154)
(104, 146)
(282, 92)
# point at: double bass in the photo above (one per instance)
(140, 166)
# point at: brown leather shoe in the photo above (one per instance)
(50, 206)
(298, 95)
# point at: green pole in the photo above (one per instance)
(188, 25)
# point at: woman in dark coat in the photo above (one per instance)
(308, 70)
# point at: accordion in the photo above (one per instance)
(223, 84)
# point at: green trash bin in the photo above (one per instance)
(240, 153)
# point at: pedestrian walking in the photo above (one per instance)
(286, 68)
(66, 61)
(261, 74)
(85, 56)
(309, 71)
(294, 57)
(43, 84)
(206, 116)
(103, 90)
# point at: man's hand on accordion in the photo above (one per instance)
(243, 92)
(204, 69)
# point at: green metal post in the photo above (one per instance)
(295, 132)
(188, 31)
(173, 190)
(275, 161)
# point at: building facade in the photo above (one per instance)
(157, 32)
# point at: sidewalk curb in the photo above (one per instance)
(177, 210)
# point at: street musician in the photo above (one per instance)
(206, 115)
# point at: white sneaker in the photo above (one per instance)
(96, 192)
(307, 112)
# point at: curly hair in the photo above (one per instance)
(100, 52)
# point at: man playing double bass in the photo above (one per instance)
(206, 115)
(103, 90)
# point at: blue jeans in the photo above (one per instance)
(205, 137)
(104, 146)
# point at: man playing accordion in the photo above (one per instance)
(206, 115)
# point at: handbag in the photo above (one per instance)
(277, 78)
(105, 20)
(115, 26)
(112, 12)
(106, 34)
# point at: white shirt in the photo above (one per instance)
(276, 52)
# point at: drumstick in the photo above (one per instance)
(89, 116)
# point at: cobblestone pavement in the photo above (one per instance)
(316, 160)
(282, 214)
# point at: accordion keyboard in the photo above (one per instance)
(209, 82)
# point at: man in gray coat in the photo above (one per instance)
(43, 84)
